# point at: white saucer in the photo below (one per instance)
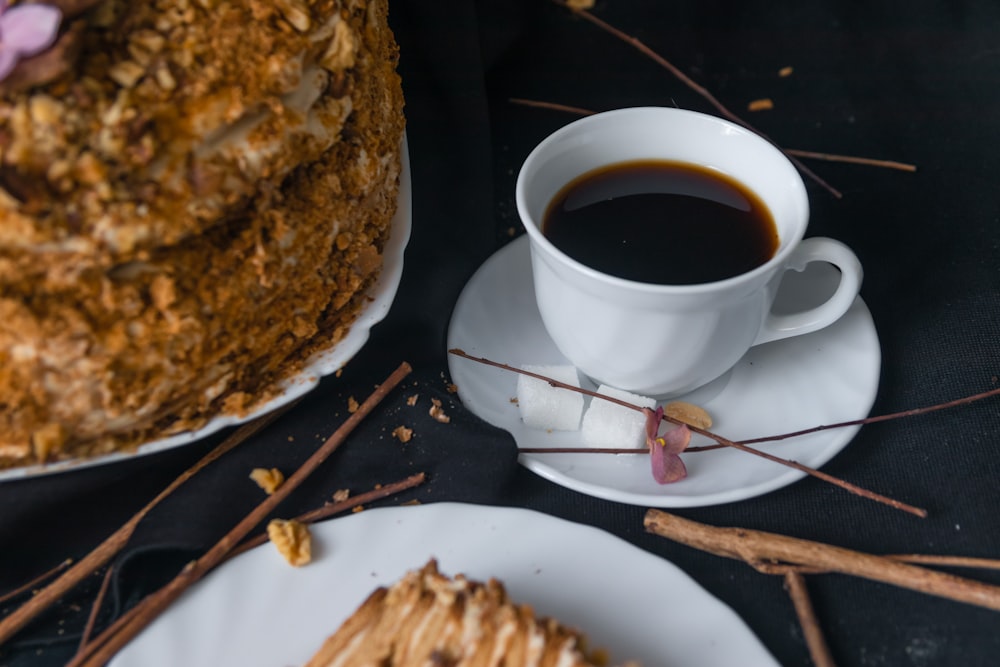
(826, 377)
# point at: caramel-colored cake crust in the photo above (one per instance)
(427, 618)
(186, 212)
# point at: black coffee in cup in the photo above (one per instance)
(661, 222)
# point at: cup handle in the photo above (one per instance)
(817, 249)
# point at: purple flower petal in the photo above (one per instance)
(667, 468)
(664, 461)
(29, 29)
(676, 439)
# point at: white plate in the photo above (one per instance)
(826, 377)
(380, 297)
(258, 610)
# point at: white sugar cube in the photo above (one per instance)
(607, 424)
(546, 407)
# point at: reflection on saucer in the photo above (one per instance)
(820, 378)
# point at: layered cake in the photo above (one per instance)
(427, 618)
(194, 195)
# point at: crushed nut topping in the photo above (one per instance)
(292, 539)
(268, 479)
(437, 412)
(402, 433)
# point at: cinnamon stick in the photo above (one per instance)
(115, 542)
(104, 647)
(753, 546)
(795, 583)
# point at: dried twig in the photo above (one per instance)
(753, 546)
(95, 609)
(690, 83)
(818, 649)
(333, 509)
(112, 640)
(871, 162)
(847, 486)
(114, 543)
(828, 157)
(24, 588)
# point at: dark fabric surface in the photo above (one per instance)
(915, 82)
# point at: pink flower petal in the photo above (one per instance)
(8, 59)
(29, 29)
(653, 420)
(664, 461)
(676, 439)
(666, 467)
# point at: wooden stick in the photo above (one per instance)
(836, 481)
(828, 157)
(27, 586)
(758, 546)
(95, 609)
(795, 583)
(690, 83)
(104, 647)
(831, 157)
(114, 543)
(333, 509)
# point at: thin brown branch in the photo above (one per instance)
(913, 412)
(24, 588)
(795, 584)
(112, 640)
(700, 90)
(114, 543)
(828, 157)
(332, 509)
(552, 106)
(95, 609)
(758, 546)
(836, 481)
(871, 162)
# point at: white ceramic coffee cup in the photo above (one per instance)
(668, 339)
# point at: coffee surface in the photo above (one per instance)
(662, 222)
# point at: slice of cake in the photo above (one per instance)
(193, 198)
(427, 618)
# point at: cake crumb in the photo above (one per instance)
(412, 400)
(268, 479)
(785, 71)
(357, 508)
(437, 412)
(292, 539)
(352, 404)
(402, 433)
(763, 104)
(340, 495)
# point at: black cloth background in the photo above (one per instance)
(917, 82)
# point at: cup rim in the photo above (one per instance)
(538, 239)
